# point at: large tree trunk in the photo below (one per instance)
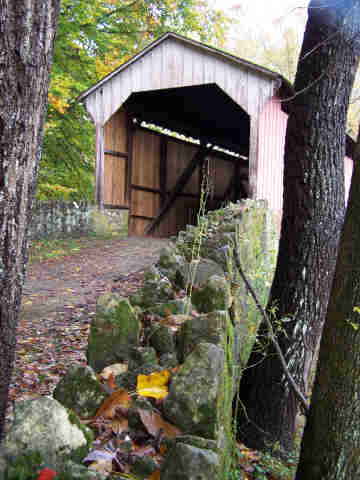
(27, 31)
(313, 212)
(331, 442)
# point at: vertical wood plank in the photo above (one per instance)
(163, 169)
(99, 167)
(253, 155)
(129, 160)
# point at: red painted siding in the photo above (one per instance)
(348, 169)
(272, 130)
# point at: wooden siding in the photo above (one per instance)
(147, 190)
(145, 173)
(169, 63)
(115, 143)
(269, 176)
(173, 63)
(348, 171)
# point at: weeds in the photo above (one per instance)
(56, 247)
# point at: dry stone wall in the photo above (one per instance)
(59, 218)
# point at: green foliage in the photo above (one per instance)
(25, 467)
(93, 38)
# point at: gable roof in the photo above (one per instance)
(187, 41)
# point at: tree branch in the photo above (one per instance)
(271, 334)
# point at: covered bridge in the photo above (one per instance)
(228, 123)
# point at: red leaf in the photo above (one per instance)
(47, 474)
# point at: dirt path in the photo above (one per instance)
(54, 283)
(59, 300)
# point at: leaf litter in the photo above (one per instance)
(50, 342)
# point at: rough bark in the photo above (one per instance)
(27, 31)
(331, 441)
(313, 212)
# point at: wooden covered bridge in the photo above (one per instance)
(229, 106)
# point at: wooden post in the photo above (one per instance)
(163, 170)
(253, 156)
(237, 181)
(128, 164)
(99, 167)
(199, 156)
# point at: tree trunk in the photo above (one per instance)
(331, 442)
(27, 31)
(313, 212)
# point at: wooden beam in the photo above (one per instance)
(229, 189)
(129, 160)
(109, 206)
(99, 167)
(146, 189)
(253, 156)
(201, 175)
(112, 153)
(199, 156)
(142, 217)
(237, 185)
(158, 191)
(163, 169)
(216, 153)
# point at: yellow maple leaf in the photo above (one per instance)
(153, 385)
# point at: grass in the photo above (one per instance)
(55, 247)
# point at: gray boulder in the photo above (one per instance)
(206, 328)
(199, 442)
(168, 360)
(172, 307)
(142, 356)
(80, 390)
(185, 462)
(162, 339)
(215, 294)
(192, 400)
(198, 271)
(43, 425)
(3, 464)
(114, 332)
(80, 472)
(171, 264)
(156, 288)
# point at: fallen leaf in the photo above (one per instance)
(46, 474)
(115, 369)
(155, 475)
(111, 382)
(153, 385)
(120, 426)
(120, 398)
(153, 422)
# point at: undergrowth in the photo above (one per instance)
(56, 247)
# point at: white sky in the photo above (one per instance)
(266, 15)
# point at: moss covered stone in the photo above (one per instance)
(199, 442)
(142, 356)
(43, 425)
(206, 328)
(172, 307)
(156, 288)
(162, 339)
(114, 332)
(186, 462)
(215, 294)
(193, 392)
(80, 390)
